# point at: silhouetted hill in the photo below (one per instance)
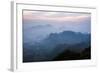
(68, 37)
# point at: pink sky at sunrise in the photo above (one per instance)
(54, 16)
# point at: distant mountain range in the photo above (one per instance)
(55, 44)
(36, 33)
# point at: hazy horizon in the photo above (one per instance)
(39, 24)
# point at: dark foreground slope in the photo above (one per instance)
(71, 55)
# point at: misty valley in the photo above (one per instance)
(66, 45)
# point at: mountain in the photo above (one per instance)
(55, 44)
(34, 33)
(68, 37)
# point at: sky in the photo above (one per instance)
(55, 16)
